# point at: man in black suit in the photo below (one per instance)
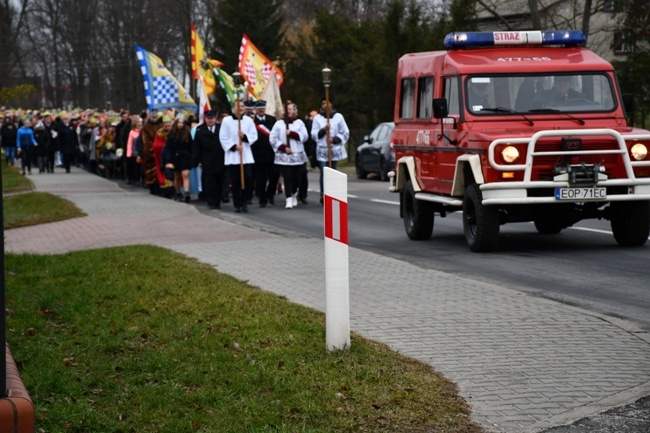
(207, 151)
(265, 172)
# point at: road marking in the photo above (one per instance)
(376, 200)
(591, 230)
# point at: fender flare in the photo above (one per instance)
(405, 171)
(464, 163)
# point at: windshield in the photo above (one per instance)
(539, 93)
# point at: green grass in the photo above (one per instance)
(13, 181)
(33, 208)
(141, 339)
(23, 207)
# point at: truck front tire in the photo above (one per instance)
(417, 215)
(630, 222)
(481, 223)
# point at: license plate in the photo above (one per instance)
(580, 193)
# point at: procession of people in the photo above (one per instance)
(243, 155)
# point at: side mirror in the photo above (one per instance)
(367, 139)
(440, 112)
(440, 108)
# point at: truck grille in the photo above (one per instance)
(543, 165)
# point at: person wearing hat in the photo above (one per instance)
(265, 172)
(105, 151)
(68, 140)
(249, 108)
(84, 131)
(42, 145)
(234, 130)
(207, 151)
(558, 95)
(54, 142)
(97, 130)
(25, 142)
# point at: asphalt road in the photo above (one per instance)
(582, 266)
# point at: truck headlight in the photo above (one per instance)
(510, 154)
(639, 151)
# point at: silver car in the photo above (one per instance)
(376, 155)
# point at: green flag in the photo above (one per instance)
(227, 85)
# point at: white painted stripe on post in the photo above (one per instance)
(336, 219)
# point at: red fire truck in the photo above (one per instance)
(516, 127)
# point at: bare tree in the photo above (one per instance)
(12, 27)
(590, 16)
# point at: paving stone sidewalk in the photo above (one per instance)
(524, 364)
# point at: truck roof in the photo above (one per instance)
(494, 60)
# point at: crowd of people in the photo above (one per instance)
(244, 154)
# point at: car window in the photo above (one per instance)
(376, 133)
(451, 93)
(408, 98)
(383, 133)
(425, 97)
(539, 93)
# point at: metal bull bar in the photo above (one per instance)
(516, 192)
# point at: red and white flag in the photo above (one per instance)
(256, 68)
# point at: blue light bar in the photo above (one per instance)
(485, 39)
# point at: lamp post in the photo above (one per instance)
(236, 80)
(326, 82)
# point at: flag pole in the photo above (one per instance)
(326, 82)
(236, 79)
(282, 66)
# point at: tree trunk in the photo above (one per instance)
(586, 18)
(535, 21)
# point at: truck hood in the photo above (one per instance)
(489, 131)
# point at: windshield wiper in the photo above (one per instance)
(507, 110)
(554, 110)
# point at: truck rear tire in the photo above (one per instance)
(631, 222)
(417, 215)
(481, 223)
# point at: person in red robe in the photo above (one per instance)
(158, 144)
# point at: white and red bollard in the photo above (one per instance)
(337, 275)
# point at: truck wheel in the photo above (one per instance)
(417, 215)
(631, 222)
(361, 173)
(481, 223)
(548, 227)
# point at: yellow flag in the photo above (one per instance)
(201, 64)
